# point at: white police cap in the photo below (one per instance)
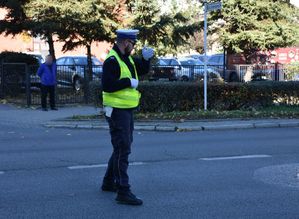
(127, 34)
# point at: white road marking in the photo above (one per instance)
(236, 157)
(100, 166)
(1, 172)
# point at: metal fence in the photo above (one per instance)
(20, 83)
(13, 82)
(236, 73)
(184, 72)
(261, 72)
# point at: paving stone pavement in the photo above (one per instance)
(28, 117)
(31, 117)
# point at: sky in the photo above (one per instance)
(295, 2)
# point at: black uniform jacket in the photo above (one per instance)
(111, 72)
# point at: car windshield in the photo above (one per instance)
(83, 61)
(80, 61)
(187, 62)
(199, 62)
(165, 61)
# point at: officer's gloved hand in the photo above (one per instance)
(148, 53)
(134, 83)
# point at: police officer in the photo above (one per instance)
(120, 97)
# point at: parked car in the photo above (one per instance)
(71, 70)
(190, 68)
(201, 57)
(38, 56)
(164, 68)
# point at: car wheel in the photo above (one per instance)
(77, 84)
(185, 78)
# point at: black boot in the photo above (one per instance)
(128, 198)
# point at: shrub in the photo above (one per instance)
(95, 91)
(16, 57)
(291, 71)
(188, 96)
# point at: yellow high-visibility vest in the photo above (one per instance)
(126, 98)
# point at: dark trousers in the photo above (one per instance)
(44, 95)
(121, 130)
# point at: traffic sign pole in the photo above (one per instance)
(207, 7)
(205, 51)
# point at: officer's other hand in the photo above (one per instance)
(148, 53)
(134, 83)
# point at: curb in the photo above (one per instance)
(183, 128)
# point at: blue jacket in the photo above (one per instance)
(47, 73)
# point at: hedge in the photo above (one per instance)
(18, 57)
(188, 96)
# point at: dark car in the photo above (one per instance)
(164, 68)
(71, 70)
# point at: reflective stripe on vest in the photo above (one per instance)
(126, 98)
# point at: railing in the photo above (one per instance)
(20, 84)
(184, 72)
(236, 73)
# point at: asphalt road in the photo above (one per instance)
(48, 173)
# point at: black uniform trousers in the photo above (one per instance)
(45, 89)
(121, 126)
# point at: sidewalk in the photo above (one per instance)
(27, 118)
(180, 126)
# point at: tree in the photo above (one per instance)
(31, 17)
(76, 22)
(45, 18)
(252, 26)
(95, 21)
(167, 31)
(15, 21)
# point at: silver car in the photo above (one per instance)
(189, 68)
(71, 70)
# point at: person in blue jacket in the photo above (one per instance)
(47, 73)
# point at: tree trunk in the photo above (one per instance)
(51, 45)
(88, 74)
(89, 63)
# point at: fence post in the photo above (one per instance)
(28, 86)
(2, 79)
(86, 85)
(192, 76)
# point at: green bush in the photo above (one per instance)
(291, 70)
(188, 96)
(16, 57)
(95, 92)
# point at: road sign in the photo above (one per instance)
(214, 6)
